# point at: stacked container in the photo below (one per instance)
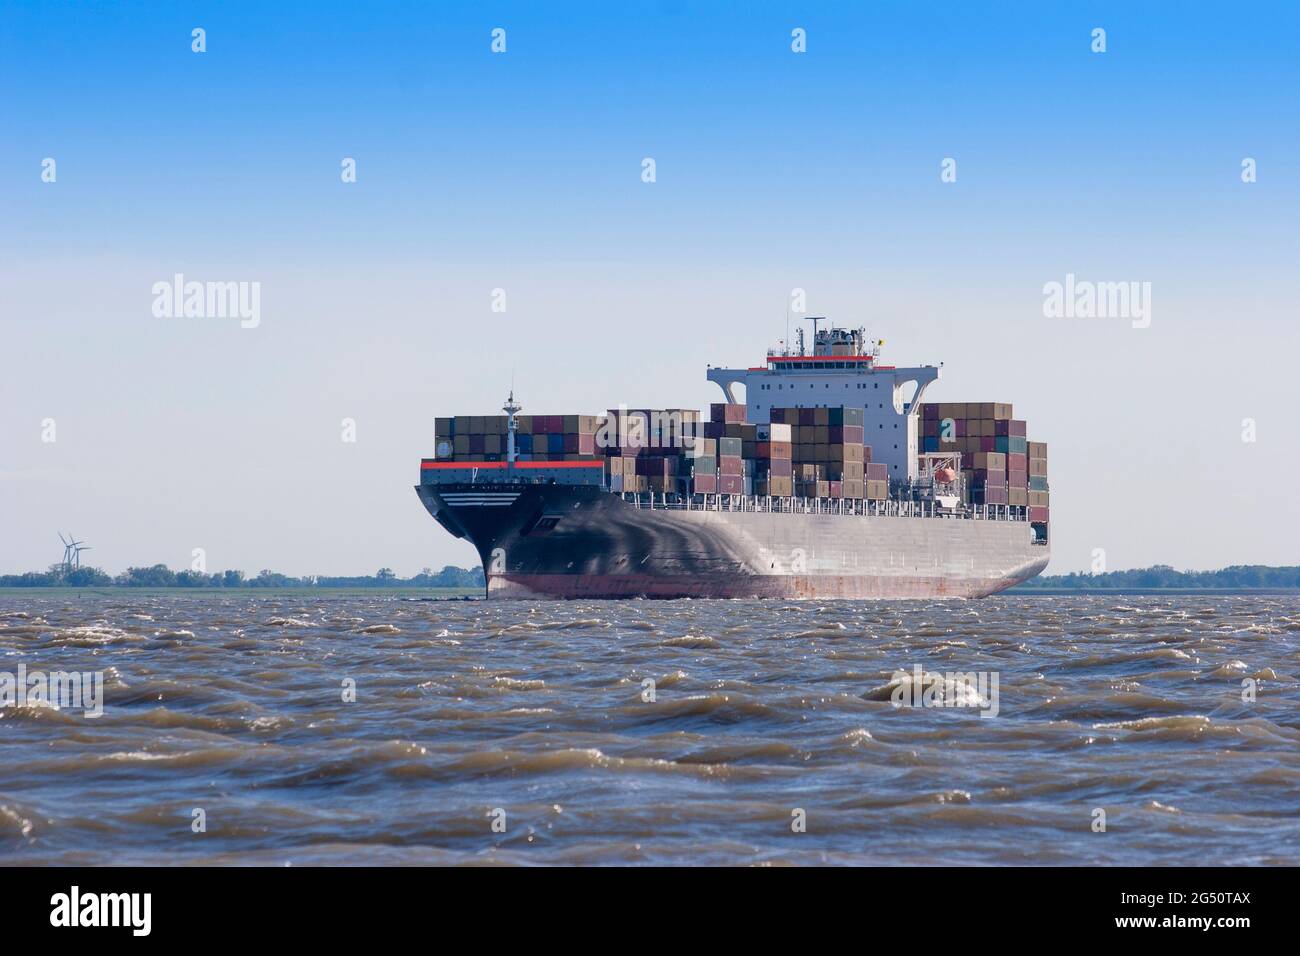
(651, 449)
(774, 460)
(995, 452)
(537, 437)
(1037, 492)
(829, 456)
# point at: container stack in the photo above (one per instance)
(774, 460)
(829, 455)
(1037, 493)
(654, 450)
(537, 437)
(877, 483)
(996, 459)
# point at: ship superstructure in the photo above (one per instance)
(843, 368)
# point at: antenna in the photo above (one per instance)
(814, 319)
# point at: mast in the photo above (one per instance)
(511, 408)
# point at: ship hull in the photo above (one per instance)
(558, 541)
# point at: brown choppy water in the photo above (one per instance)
(234, 704)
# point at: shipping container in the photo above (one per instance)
(719, 412)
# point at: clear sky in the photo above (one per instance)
(522, 171)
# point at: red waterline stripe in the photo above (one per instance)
(489, 465)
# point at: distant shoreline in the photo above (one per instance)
(121, 590)
(1021, 589)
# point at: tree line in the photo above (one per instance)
(161, 576)
(1163, 576)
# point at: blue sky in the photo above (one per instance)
(521, 171)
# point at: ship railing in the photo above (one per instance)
(863, 507)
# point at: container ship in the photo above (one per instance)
(831, 479)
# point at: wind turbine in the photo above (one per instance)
(72, 549)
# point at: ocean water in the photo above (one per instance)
(773, 733)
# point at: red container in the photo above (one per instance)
(1038, 515)
(705, 484)
(1017, 462)
(726, 414)
(656, 466)
(846, 434)
(731, 485)
(730, 465)
(579, 444)
(780, 468)
(773, 449)
(837, 489)
(1012, 427)
(877, 471)
(866, 454)
(1017, 479)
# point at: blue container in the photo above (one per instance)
(523, 442)
(555, 444)
(930, 444)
